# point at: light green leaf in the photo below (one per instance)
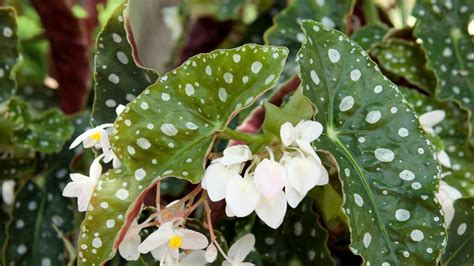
(301, 238)
(46, 132)
(286, 29)
(296, 109)
(461, 234)
(388, 177)
(8, 51)
(449, 48)
(118, 80)
(407, 60)
(169, 128)
(453, 134)
(370, 35)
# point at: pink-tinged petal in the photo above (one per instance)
(269, 178)
(192, 239)
(236, 154)
(211, 253)
(308, 131)
(156, 239)
(432, 118)
(304, 173)
(241, 248)
(217, 177)
(272, 211)
(228, 211)
(444, 159)
(287, 134)
(241, 195)
(293, 197)
(194, 258)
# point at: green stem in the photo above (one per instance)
(235, 135)
(401, 6)
(370, 11)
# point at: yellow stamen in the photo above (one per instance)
(176, 241)
(96, 136)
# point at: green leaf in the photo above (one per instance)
(300, 238)
(8, 51)
(296, 109)
(370, 35)
(16, 167)
(407, 60)
(169, 128)
(286, 29)
(453, 132)
(449, 49)
(388, 177)
(461, 234)
(46, 132)
(118, 80)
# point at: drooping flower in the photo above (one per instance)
(446, 196)
(239, 250)
(242, 196)
(96, 137)
(168, 240)
(235, 155)
(302, 135)
(83, 186)
(128, 248)
(8, 191)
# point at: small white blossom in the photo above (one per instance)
(302, 135)
(211, 253)
(96, 137)
(8, 191)
(128, 248)
(168, 240)
(446, 196)
(236, 154)
(83, 186)
(239, 250)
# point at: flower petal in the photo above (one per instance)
(293, 196)
(119, 109)
(156, 239)
(446, 197)
(303, 173)
(432, 118)
(444, 159)
(194, 258)
(269, 178)
(241, 248)
(287, 134)
(128, 248)
(306, 147)
(272, 211)
(228, 211)
(8, 191)
(236, 154)
(217, 177)
(308, 131)
(81, 138)
(241, 195)
(192, 239)
(159, 253)
(211, 253)
(86, 194)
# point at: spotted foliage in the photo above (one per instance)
(9, 51)
(118, 79)
(370, 35)
(443, 28)
(387, 166)
(16, 167)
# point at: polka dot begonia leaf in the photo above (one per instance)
(388, 179)
(370, 35)
(45, 133)
(16, 167)
(168, 129)
(406, 59)
(449, 48)
(286, 28)
(461, 234)
(300, 240)
(118, 80)
(9, 51)
(453, 134)
(42, 215)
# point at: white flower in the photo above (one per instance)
(430, 119)
(239, 250)
(242, 195)
(443, 159)
(83, 186)
(8, 191)
(167, 240)
(211, 253)
(446, 196)
(216, 178)
(96, 137)
(110, 156)
(236, 154)
(128, 248)
(302, 135)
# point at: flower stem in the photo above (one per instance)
(241, 136)
(370, 11)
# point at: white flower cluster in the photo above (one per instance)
(273, 184)
(82, 186)
(172, 244)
